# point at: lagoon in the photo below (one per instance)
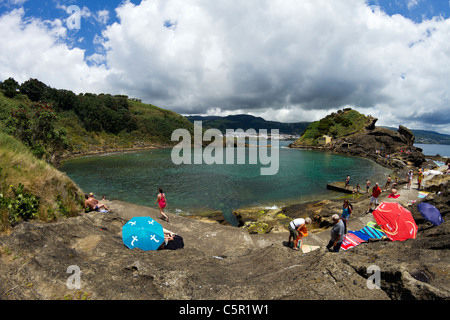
(136, 176)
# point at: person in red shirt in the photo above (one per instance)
(376, 191)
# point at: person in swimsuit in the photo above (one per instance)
(162, 203)
(388, 182)
(92, 204)
(346, 212)
(347, 182)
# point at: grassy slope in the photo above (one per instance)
(54, 189)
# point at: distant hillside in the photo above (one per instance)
(336, 125)
(246, 122)
(53, 122)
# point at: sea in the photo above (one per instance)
(434, 149)
(192, 188)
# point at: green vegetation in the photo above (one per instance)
(22, 206)
(53, 122)
(34, 125)
(30, 188)
(336, 125)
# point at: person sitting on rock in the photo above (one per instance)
(393, 194)
(388, 182)
(93, 203)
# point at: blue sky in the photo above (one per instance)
(416, 10)
(94, 17)
(284, 60)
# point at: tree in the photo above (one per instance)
(35, 126)
(10, 87)
(34, 89)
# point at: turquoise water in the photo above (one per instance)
(136, 176)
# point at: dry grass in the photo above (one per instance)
(59, 196)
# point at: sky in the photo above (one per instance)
(283, 60)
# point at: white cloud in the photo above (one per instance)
(290, 55)
(412, 3)
(36, 49)
(283, 59)
(102, 16)
(12, 3)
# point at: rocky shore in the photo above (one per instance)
(222, 262)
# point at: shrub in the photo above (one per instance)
(35, 126)
(22, 206)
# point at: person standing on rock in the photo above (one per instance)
(346, 212)
(297, 228)
(376, 191)
(409, 178)
(347, 182)
(419, 179)
(337, 234)
(162, 203)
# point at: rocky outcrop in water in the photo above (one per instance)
(392, 149)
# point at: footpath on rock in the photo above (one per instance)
(220, 262)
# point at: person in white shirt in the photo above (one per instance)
(294, 226)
